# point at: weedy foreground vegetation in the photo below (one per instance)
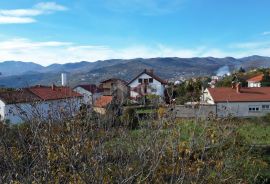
(112, 149)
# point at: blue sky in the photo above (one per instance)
(63, 31)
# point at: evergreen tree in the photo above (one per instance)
(241, 70)
(266, 79)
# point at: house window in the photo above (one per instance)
(265, 107)
(254, 108)
(151, 80)
(140, 80)
(145, 81)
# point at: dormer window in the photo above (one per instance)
(140, 81)
(151, 80)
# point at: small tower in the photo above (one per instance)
(64, 79)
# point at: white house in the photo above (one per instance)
(39, 102)
(255, 81)
(239, 102)
(90, 93)
(146, 83)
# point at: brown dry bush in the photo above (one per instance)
(83, 150)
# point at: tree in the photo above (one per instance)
(190, 91)
(241, 70)
(266, 79)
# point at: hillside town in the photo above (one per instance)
(134, 92)
(145, 91)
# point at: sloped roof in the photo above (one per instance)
(103, 101)
(90, 87)
(38, 93)
(151, 74)
(53, 92)
(257, 78)
(20, 96)
(114, 80)
(260, 94)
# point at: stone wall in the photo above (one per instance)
(191, 111)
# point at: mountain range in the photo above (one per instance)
(21, 74)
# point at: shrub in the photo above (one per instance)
(83, 151)
(130, 118)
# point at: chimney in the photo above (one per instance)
(238, 87)
(64, 79)
(149, 71)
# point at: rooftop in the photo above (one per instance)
(20, 96)
(90, 87)
(38, 93)
(260, 94)
(150, 73)
(257, 78)
(114, 80)
(103, 101)
(53, 92)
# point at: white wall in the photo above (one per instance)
(2, 110)
(207, 98)
(254, 84)
(159, 88)
(87, 95)
(193, 111)
(57, 110)
(241, 109)
(236, 109)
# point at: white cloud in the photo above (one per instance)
(22, 16)
(20, 12)
(266, 33)
(15, 20)
(50, 6)
(49, 52)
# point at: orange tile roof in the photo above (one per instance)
(103, 101)
(260, 94)
(257, 78)
(53, 92)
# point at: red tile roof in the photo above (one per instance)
(257, 78)
(19, 96)
(53, 92)
(103, 101)
(261, 94)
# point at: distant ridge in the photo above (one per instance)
(18, 67)
(19, 74)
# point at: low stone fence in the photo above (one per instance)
(192, 111)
